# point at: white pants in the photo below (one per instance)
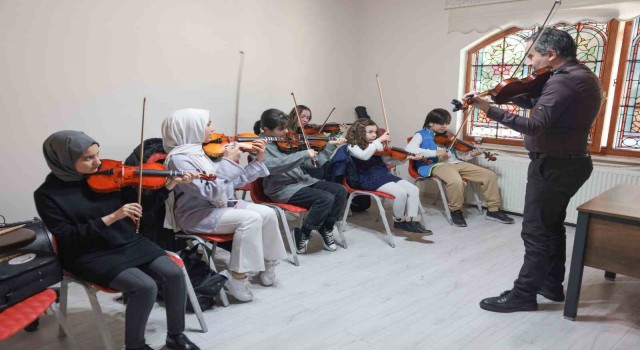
(407, 199)
(257, 237)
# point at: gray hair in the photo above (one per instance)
(557, 40)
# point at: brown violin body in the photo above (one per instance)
(215, 147)
(447, 139)
(113, 175)
(396, 153)
(530, 87)
(292, 142)
(330, 128)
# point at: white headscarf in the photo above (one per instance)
(183, 133)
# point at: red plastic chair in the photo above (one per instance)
(22, 314)
(441, 188)
(378, 197)
(92, 289)
(258, 197)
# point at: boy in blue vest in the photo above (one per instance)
(451, 167)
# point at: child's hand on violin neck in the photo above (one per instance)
(259, 147)
(186, 178)
(339, 141)
(415, 157)
(475, 152)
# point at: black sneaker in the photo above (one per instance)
(180, 342)
(327, 239)
(458, 219)
(301, 241)
(499, 216)
(508, 302)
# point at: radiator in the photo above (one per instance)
(512, 180)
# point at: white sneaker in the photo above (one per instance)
(268, 276)
(240, 289)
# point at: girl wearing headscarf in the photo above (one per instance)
(211, 207)
(96, 238)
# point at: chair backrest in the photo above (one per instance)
(257, 192)
(412, 169)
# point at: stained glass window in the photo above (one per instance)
(496, 62)
(628, 125)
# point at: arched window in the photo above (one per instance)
(496, 58)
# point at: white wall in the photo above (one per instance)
(406, 42)
(86, 65)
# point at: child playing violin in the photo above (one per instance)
(288, 183)
(451, 167)
(210, 207)
(97, 239)
(294, 126)
(364, 141)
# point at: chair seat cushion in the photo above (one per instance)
(20, 315)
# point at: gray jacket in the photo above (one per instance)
(200, 204)
(287, 176)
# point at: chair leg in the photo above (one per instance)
(343, 241)
(64, 293)
(346, 209)
(97, 313)
(194, 301)
(64, 326)
(289, 234)
(383, 215)
(476, 197)
(445, 202)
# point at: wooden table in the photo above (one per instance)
(607, 238)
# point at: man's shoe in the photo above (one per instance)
(508, 302)
(327, 239)
(557, 296)
(145, 347)
(458, 219)
(301, 241)
(240, 289)
(180, 342)
(268, 276)
(499, 216)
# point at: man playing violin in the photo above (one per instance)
(556, 135)
(450, 166)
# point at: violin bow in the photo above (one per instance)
(304, 135)
(238, 91)
(144, 103)
(326, 120)
(384, 110)
(535, 41)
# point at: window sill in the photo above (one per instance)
(599, 159)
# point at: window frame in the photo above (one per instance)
(610, 50)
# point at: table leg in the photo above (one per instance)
(577, 267)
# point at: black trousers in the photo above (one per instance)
(325, 200)
(550, 185)
(140, 285)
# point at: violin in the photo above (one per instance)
(215, 147)
(291, 141)
(447, 139)
(509, 89)
(396, 153)
(330, 128)
(113, 175)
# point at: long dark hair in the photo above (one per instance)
(271, 119)
(437, 116)
(357, 133)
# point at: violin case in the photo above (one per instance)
(27, 271)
